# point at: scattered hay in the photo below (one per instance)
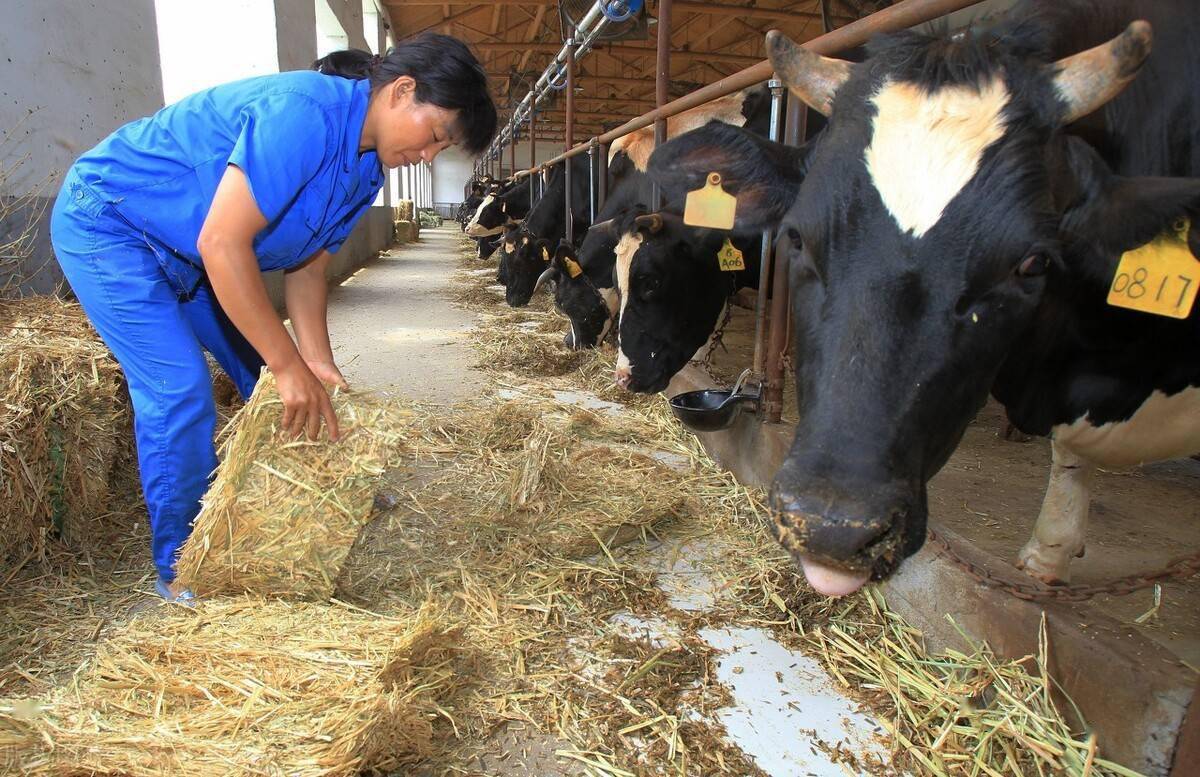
(281, 514)
(64, 424)
(246, 686)
(509, 349)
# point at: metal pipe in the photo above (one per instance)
(592, 182)
(764, 273)
(512, 155)
(793, 134)
(570, 138)
(662, 78)
(602, 178)
(901, 16)
(532, 155)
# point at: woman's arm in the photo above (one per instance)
(306, 293)
(226, 245)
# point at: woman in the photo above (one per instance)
(165, 228)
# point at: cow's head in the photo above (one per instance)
(583, 295)
(918, 253)
(529, 266)
(493, 216)
(672, 294)
(507, 247)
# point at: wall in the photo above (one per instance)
(453, 167)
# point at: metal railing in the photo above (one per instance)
(790, 126)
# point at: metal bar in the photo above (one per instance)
(512, 155)
(614, 49)
(592, 182)
(662, 79)
(602, 178)
(903, 15)
(764, 273)
(532, 155)
(793, 134)
(569, 140)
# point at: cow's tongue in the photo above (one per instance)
(831, 581)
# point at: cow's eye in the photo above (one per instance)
(1033, 265)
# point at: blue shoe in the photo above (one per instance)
(184, 597)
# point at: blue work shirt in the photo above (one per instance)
(295, 136)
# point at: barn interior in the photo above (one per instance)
(682, 641)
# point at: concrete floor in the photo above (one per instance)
(392, 328)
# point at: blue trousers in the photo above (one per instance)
(158, 333)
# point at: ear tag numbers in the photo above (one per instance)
(573, 268)
(730, 258)
(545, 254)
(1160, 277)
(710, 205)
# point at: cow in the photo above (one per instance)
(500, 208)
(629, 192)
(674, 295)
(545, 226)
(975, 196)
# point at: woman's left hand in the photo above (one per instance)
(327, 372)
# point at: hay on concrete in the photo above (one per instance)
(65, 423)
(245, 686)
(281, 514)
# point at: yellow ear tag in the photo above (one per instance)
(545, 254)
(573, 268)
(730, 258)
(1160, 277)
(710, 206)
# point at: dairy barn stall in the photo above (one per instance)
(601, 387)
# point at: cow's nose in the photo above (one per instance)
(838, 530)
(622, 376)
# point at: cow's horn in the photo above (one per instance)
(811, 77)
(651, 222)
(1089, 79)
(545, 276)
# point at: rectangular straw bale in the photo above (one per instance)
(403, 232)
(405, 210)
(244, 686)
(282, 514)
(64, 422)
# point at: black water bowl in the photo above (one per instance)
(710, 410)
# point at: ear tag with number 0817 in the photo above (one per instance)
(1160, 277)
(730, 258)
(710, 205)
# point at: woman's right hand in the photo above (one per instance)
(305, 401)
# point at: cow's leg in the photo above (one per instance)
(1058, 535)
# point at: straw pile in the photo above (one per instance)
(245, 686)
(403, 231)
(281, 514)
(64, 423)
(405, 210)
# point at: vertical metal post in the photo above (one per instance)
(662, 77)
(569, 138)
(602, 178)
(512, 153)
(532, 154)
(793, 135)
(764, 274)
(592, 182)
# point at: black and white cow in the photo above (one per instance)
(500, 208)
(629, 193)
(955, 235)
(673, 295)
(545, 226)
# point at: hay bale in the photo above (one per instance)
(241, 687)
(65, 422)
(405, 210)
(403, 232)
(282, 514)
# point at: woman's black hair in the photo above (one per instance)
(445, 71)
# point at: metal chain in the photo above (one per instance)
(1180, 568)
(717, 339)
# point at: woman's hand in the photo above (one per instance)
(327, 372)
(305, 401)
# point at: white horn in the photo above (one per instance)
(811, 77)
(545, 276)
(1089, 79)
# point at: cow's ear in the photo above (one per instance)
(1118, 213)
(764, 176)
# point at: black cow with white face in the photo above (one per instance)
(529, 265)
(673, 295)
(585, 291)
(500, 208)
(952, 234)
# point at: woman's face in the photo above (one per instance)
(407, 131)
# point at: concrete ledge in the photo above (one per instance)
(1134, 693)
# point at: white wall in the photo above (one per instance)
(453, 167)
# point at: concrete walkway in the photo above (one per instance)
(392, 327)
